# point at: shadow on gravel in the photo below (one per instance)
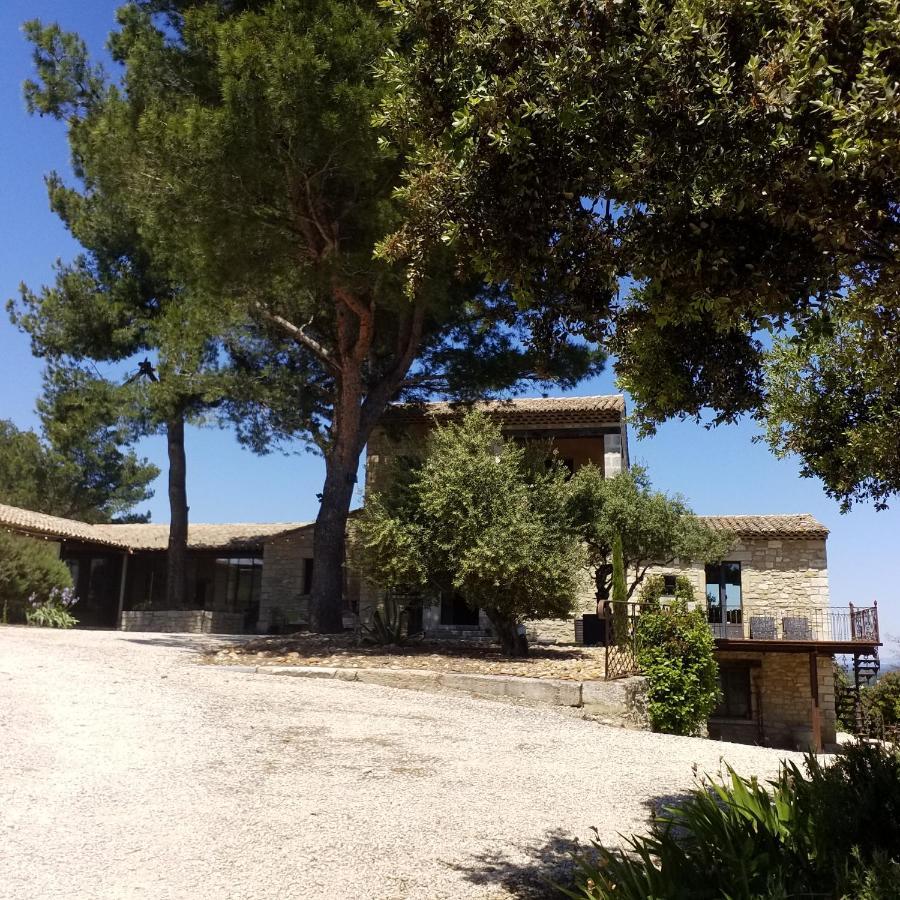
(548, 864)
(534, 878)
(195, 643)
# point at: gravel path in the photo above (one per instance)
(128, 771)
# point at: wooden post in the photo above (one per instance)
(122, 590)
(816, 712)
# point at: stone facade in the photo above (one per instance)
(779, 577)
(781, 700)
(284, 602)
(282, 599)
(190, 621)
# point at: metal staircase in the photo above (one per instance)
(865, 671)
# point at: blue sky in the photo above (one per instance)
(720, 471)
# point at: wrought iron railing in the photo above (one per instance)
(848, 624)
(620, 638)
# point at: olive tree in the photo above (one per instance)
(482, 517)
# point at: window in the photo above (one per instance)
(238, 581)
(669, 585)
(734, 682)
(723, 593)
(307, 575)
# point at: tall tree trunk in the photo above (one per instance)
(176, 556)
(327, 598)
(358, 407)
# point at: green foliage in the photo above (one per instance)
(82, 472)
(831, 832)
(676, 652)
(53, 610)
(478, 519)
(881, 702)
(833, 402)
(388, 625)
(620, 617)
(654, 528)
(681, 178)
(253, 189)
(28, 568)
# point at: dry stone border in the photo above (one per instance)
(621, 702)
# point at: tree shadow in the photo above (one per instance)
(530, 872)
(195, 643)
(315, 645)
(539, 871)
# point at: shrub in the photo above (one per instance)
(881, 702)
(27, 567)
(676, 653)
(833, 832)
(53, 612)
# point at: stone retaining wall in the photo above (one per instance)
(621, 702)
(190, 621)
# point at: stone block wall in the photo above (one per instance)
(776, 575)
(281, 595)
(781, 700)
(189, 621)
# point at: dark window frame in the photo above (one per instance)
(714, 605)
(736, 684)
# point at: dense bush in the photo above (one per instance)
(27, 567)
(881, 702)
(676, 652)
(52, 611)
(832, 831)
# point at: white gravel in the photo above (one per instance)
(128, 771)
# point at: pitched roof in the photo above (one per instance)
(519, 411)
(140, 537)
(234, 536)
(801, 525)
(25, 521)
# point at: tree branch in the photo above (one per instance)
(300, 336)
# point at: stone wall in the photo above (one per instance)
(779, 577)
(782, 701)
(282, 601)
(190, 621)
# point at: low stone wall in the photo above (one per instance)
(190, 621)
(621, 702)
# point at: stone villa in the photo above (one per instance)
(767, 603)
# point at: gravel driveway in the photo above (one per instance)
(126, 770)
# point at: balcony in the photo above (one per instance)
(840, 628)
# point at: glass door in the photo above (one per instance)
(723, 599)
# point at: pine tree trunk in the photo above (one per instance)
(327, 599)
(176, 556)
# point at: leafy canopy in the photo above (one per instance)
(654, 528)
(680, 179)
(833, 398)
(81, 472)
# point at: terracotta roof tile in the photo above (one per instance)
(25, 521)
(141, 537)
(800, 525)
(520, 410)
